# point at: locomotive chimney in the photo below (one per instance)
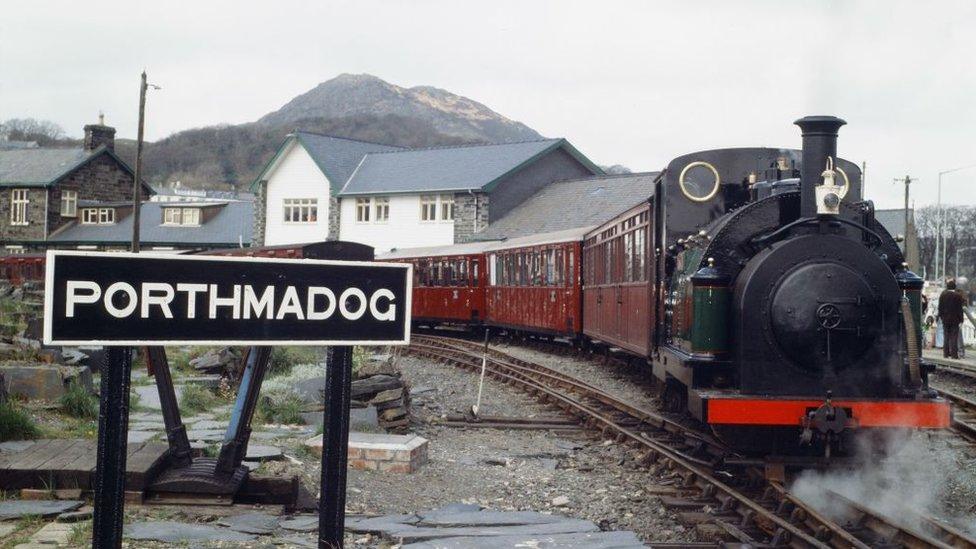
(819, 142)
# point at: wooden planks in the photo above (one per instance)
(70, 463)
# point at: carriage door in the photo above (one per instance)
(475, 286)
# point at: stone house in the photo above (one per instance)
(43, 190)
(320, 187)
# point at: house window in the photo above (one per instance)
(69, 203)
(172, 216)
(382, 206)
(97, 216)
(362, 210)
(301, 210)
(447, 207)
(191, 216)
(18, 207)
(428, 208)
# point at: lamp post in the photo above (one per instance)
(938, 238)
(958, 252)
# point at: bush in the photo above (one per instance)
(283, 407)
(283, 358)
(196, 398)
(78, 402)
(15, 424)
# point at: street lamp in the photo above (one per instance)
(939, 237)
(959, 251)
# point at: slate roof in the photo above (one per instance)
(470, 167)
(434, 251)
(37, 167)
(538, 239)
(337, 157)
(573, 203)
(231, 225)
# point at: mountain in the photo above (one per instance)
(359, 107)
(349, 95)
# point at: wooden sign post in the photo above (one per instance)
(123, 300)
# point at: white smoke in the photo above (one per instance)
(909, 474)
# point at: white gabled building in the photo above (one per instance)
(321, 187)
(297, 191)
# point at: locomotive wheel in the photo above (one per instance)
(675, 396)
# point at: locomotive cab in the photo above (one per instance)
(790, 318)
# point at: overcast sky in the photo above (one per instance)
(634, 83)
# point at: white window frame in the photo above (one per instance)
(428, 208)
(363, 207)
(89, 216)
(172, 216)
(19, 201)
(106, 216)
(69, 203)
(191, 217)
(294, 209)
(381, 209)
(445, 207)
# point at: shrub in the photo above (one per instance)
(283, 358)
(78, 402)
(196, 398)
(284, 407)
(15, 424)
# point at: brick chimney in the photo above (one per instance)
(99, 134)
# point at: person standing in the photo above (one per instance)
(950, 312)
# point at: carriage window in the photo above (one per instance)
(571, 274)
(628, 257)
(560, 280)
(640, 254)
(474, 272)
(463, 272)
(416, 273)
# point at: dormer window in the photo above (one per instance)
(97, 216)
(181, 216)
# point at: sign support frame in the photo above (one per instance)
(113, 428)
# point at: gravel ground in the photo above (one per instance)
(509, 469)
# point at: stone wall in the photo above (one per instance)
(470, 215)
(260, 214)
(334, 217)
(103, 179)
(36, 207)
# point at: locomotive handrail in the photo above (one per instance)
(760, 240)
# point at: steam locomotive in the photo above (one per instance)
(755, 282)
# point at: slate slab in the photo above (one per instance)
(53, 533)
(175, 532)
(6, 530)
(76, 516)
(206, 435)
(135, 437)
(455, 508)
(301, 523)
(299, 541)
(376, 525)
(590, 540)
(310, 390)
(209, 425)
(251, 523)
(486, 518)
(360, 419)
(257, 452)
(14, 509)
(147, 426)
(411, 534)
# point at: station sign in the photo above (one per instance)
(106, 298)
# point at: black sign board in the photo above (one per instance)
(106, 298)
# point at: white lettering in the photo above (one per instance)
(344, 298)
(290, 305)
(313, 291)
(162, 300)
(191, 296)
(390, 312)
(129, 307)
(74, 297)
(264, 306)
(234, 302)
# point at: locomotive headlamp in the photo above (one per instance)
(829, 193)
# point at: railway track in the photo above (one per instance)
(963, 407)
(738, 499)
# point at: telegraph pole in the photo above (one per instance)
(908, 181)
(136, 185)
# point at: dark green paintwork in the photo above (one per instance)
(709, 332)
